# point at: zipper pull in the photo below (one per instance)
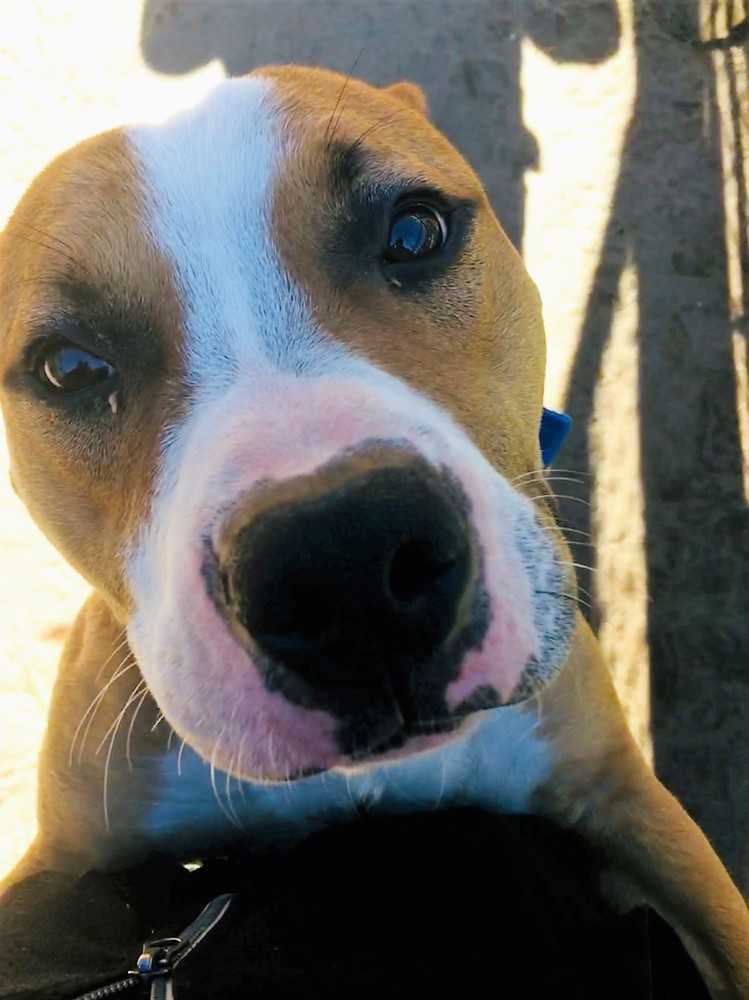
(161, 956)
(154, 965)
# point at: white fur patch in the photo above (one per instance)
(208, 178)
(496, 766)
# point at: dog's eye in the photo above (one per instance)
(69, 368)
(416, 230)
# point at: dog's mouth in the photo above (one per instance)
(392, 738)
(416, 731)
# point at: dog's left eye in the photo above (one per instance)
(69, 368)
(415, 231)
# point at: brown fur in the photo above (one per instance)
(603, 787)
(79, 223)
(475, 345)
(409, 94)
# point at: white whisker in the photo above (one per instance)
(543, 474)
(539, 708)
(93, 708)
(577, 565)
(105, 783)
(570, 597)
(217, 797)
(560, 496)
(114, 652)
(130, 729)
(229, 804)
(134, 695)
(552, 479)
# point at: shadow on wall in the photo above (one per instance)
(466, 56)
(667, 221)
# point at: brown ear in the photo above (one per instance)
(409, 94)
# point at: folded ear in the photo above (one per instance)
(409, 94)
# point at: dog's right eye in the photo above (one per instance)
(69, 368)
(416, 231)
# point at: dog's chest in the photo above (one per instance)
(497, 766)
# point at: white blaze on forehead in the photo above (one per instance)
(208, 176)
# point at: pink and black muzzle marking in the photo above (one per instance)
(360, 598)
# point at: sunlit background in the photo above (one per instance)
(70, 68)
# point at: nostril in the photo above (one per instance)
(347, 585)
(414, 570)
(291, 608)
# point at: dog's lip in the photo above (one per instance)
(433, 734)
(431, 731)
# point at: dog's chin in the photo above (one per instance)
(400, 746)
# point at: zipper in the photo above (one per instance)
(161, 956)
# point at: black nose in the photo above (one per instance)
(360, 581)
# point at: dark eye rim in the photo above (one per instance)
(40, 353)
(416, 276)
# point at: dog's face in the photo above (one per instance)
(272, 378)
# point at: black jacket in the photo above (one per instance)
(457, 904)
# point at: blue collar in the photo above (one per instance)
(554, 429)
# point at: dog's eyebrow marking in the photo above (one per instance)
(357, 172)
(79, 293)
(104, 321)
(348, 165)
(75, 299)
(101, 309)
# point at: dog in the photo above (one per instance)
(272, 376)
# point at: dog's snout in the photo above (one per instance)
(357, 583)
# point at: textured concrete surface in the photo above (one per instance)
(611, 146)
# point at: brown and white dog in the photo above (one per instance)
(272, 377)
